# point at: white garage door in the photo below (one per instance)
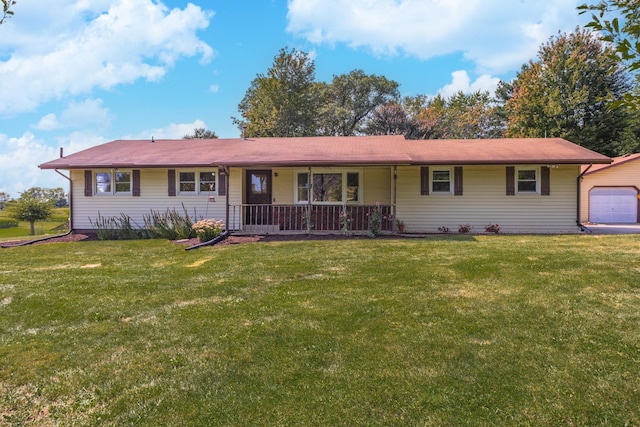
(613, 205)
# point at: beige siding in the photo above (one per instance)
(376, 183)
(623, 175)
(153, 196)
(283, 186)
(484, 201)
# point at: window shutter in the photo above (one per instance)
(222, 182)
(424, 180)
(457, 181)
(88, 183)
(511, 181)
(545, 181)
(136, 182)
(172, 182)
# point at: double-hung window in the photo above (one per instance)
(527, 180)
(196, 182)
(328, 187)
(441, 181)
(113, 182)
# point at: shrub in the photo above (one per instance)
(208, 229)
(492, 228)
(8, 223)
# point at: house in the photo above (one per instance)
(289, 184)
(610, 193)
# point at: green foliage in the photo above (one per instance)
(8, 223)
(619, 23)
(283, 102)
(30, 209)
(350, 99)
(6, 9)
(157, 225)
(169, 224)
(57, 196)
(566, 93)
(450, 330)
(201, 133)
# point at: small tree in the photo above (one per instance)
(30, 208)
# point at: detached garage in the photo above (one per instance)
(610, 193)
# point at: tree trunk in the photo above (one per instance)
(33, 229)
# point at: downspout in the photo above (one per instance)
(578, 181)
(395, 198)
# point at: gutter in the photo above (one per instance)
(578, 181)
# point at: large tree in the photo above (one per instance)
(282, 102)
(619, 23)
(566, 91)
(350, 99)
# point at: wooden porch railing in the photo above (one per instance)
(302, 218)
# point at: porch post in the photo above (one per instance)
(226, 192)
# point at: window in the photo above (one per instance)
(441, 181)
(196, 182)
(527, 180)
(303, 187)
(328, 187)
(113, 182)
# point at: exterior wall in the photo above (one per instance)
(377, 185)
(484, 201)
(623, 175)
(153, 196)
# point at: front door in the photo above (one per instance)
(258, 193)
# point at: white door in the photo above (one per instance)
(613, 205)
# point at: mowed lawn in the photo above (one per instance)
(436, 331)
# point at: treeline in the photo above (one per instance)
(567, 91)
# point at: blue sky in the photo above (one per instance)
(77, 73)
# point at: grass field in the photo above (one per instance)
(437, 331)
(59, 218)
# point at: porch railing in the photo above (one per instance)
(303, 218)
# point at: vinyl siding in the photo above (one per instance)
(376, 183)
(283, 186)
(153, 197)
(623, 175)
(485, 202)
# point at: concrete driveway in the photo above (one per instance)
(613, 228)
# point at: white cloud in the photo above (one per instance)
(461, 82)
(77, 115)
(214, 88)
(172, 131)
(496, 35)
(109, 43)
(20, 157)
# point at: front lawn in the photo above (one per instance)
(437, 331)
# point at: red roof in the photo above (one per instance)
(305, 151)
(617, 161)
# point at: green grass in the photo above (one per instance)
(42, 228)
(440, 331)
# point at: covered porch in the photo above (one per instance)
(265, 218)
